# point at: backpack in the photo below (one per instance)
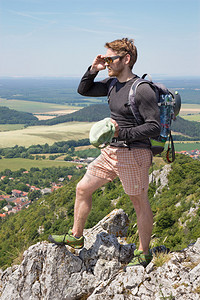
(169, 103)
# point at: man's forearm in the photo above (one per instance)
(88, 87)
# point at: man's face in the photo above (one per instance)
(116, 67)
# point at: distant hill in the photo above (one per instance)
(91, 113)
(189, 128)
(11, 116)
(96, 112)
(64, 90)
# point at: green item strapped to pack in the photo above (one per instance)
(101, 133)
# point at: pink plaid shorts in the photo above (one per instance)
(131, 166)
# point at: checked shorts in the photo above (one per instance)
(130, 165)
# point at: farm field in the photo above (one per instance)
(35, 107)
(190, 112)
(16, 134)
(10, 127)
(34, 135)
(44, 110)
(188, 108)
(192, 117)
(15, 164)
(186, 146)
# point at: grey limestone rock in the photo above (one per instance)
(160, 177)
(50, 272)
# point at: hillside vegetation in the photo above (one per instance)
(176, 212)
(91, 113)
(11, 116)
(189, 128)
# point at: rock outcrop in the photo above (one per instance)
(160, 177)
(50, 272)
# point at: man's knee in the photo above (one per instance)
(143, 197)
(89, 184)
(85, 186)
(140, 201)
(81, 188)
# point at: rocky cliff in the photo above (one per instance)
(50, 272)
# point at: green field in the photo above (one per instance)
(61, 132)
(186, 146)
(34, 135)
(34, 107)
(15, 164)
(192, 117)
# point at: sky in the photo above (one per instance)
(60, 38)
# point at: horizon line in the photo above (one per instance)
(78, 77)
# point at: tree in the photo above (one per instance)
(7, 172)
(68, 158)
(34, 195)
(52, 157)
(164, 220)
(10, 154)
(22, 187)
(8, 190)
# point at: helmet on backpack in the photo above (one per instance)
(177, 102)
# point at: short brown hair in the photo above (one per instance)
(124, 46)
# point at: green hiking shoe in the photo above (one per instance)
(140, 259)
(67, 239)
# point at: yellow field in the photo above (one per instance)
(190, 108)
(190, 112)
(45, 134)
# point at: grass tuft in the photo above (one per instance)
(160, 259)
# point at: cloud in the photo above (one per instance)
(92, 30)
(17, 37)
(101, 32)
(93, 13)
(34, 15)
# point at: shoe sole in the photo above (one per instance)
(136, 265)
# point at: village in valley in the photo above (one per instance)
(21, 200)
(18, 200)
(195, 154)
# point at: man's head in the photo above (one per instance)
(124, 47)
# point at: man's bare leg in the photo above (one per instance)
(144, 220)
(83, 203)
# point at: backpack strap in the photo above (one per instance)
(131, 98)
(170, 151)
(149, 76)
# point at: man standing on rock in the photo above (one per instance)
(129, 155)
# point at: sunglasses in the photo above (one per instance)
(110, 59)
